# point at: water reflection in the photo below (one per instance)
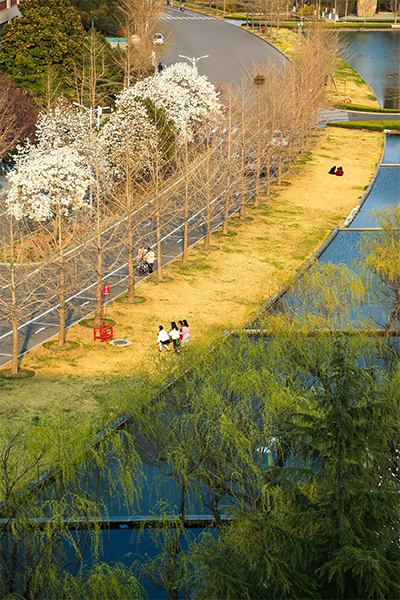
(376, 56)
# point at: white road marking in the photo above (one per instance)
(39, 330)
(84, 304)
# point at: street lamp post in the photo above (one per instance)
(194, 60)
(97, 111)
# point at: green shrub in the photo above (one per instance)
(360, 108)
(370, 125)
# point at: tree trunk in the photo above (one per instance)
(229, 169)
(131, 268)
(14, 351)
(186, 212)
(208, 203)
(97, 312)
(63, 292)
(99, 269)
(158, 234)
(61, 333)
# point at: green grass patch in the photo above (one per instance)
(361, 108)
(189, 265)
(368, 125)
(124, 299)
(89, 323)
(22, 374)
(209, 249)
(165, 279)
(54, 347)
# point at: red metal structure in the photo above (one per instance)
(104, 332)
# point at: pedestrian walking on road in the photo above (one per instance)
(182, 9)
(150, 259)
(175, 336)
(163, 339)
(159, 67)
(185, 332)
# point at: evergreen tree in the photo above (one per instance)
(49, 34)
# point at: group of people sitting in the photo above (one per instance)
(178, 335)
(336, 171)
(146, 257)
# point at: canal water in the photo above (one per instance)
(376, 56)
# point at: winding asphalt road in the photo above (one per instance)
(232, 51)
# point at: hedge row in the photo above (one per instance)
(327, 25)
(371, 109)
(370, 125)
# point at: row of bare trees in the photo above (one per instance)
(198, 183)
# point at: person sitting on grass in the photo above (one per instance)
(339, 171)
(163, 339)
(332, 171)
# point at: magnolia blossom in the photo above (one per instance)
(44, 185)
(188, 98)
(63, 125)
(204, 98)
(128, 140)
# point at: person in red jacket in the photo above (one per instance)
(339, 171)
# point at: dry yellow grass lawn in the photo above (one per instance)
(229, 284)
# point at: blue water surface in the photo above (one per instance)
(375, 55)
(384, 193)
(392, 150)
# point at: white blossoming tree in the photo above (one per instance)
(189, 99)
(63, 125)
(128, 144)
(53, 190)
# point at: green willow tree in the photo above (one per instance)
(380, 261)
(327, 523)
(50, 34)
(40, 557)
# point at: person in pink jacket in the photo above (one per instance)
(185, 332)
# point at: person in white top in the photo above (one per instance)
(163, 339)
(175, 337)
(150, 259)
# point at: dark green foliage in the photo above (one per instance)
(104, 13)
(50, 34)
(165, 127)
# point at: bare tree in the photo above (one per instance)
(21, 278)
(18, 116)
(139, 23)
